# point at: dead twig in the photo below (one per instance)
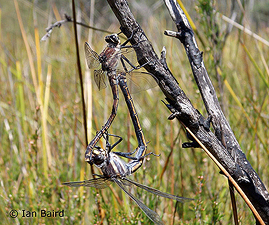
(67, 20)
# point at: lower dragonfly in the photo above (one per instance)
(116, 170)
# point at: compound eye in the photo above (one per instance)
(98, 160)
(115, 39)
(98, 156)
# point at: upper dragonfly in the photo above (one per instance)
(109, 60)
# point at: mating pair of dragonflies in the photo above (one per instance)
(114, 169)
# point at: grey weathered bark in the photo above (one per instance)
(221, 126)
(229, 153)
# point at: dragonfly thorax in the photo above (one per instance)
(110, 57)
(110, 164)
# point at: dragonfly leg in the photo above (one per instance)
(137, 158)
(141, 154)
(132, 46)
(129, 38)
(133, 66)
(150, 153)
(123, 45)
(106, 136)
(127, 154)
(98, 175)
(137, 162)
(117, 142)
(123, 64)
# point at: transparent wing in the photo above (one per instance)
(98, 183)
(137, 81)
(150, 213)
(140, 81)
(130, 53)
(92, 57)
(100, 78)
(157, 192)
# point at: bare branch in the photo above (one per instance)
(183, 110)
(66, 20)
(220, 123)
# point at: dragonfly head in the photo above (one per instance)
(112, 39)
(99, 156)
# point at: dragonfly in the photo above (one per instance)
(106, 63)
(109, 59)
(115, 170)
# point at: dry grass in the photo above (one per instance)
(42, 136)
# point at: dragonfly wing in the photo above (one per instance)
(130, 53)
(100, 78)
(98, 183)
(92, 57)
(150, 213)
(128, 58)
(157, 192)
(140, 81)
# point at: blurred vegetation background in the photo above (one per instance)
(41, 131)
